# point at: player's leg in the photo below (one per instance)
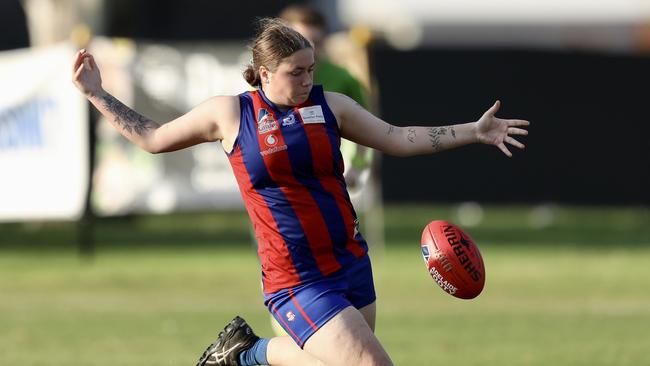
(283, 351)
(322, 318)
(349, 330)
(369, 313)
(324, 313)
(347, 340)
(361, 290)
(238, 338)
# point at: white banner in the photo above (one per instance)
(43, 136)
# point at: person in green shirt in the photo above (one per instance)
(311, 23)
(338, 79)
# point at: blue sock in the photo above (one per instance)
(255, 355)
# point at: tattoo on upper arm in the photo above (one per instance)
(411, 135)
(130, 120)
(391, 128)
(434, 136)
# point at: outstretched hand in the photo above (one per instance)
(85, 74)
(495, 131)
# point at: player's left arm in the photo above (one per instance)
(362, 127)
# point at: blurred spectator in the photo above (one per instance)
(642, 37)
(311, 23)
(54, 21)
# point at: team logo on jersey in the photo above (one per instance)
(271, 140)
(265, 121)
(288, 120)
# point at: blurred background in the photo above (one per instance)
(110, 255)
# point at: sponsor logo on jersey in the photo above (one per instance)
(313, 114)
(273, 150)
(265, 122)
(271, 140)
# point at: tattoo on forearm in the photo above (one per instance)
(391, 128)
(125, 117)
(453, 132)
(434, 136)
(411, 135)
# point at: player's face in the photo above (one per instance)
(291, 82)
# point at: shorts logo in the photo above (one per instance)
(271, 140)
(290, 316)
(288, 120)
(265, 121)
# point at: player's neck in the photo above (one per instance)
(280, 106)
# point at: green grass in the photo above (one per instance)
(576, 292)
(541, 306)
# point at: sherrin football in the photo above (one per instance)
(453, 260)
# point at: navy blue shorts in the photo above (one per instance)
(303, 309)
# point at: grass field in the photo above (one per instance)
(575, 292)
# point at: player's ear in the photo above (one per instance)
(265, 75)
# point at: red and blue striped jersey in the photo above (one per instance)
(290, 173)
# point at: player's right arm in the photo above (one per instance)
(205, 123)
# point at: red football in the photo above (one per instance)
(453, 260)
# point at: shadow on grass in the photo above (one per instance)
(179, 230)
(403, 224)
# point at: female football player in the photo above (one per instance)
(283, 144)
